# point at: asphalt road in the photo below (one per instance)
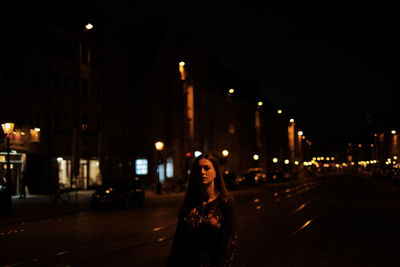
(337, 220)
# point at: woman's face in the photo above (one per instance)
(207, 172)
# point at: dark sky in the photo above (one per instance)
(327, 64)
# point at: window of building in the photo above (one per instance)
(141, 166)
(161, 173)
(170, 167)
(94, 173)
(231, 128)
(85, 121)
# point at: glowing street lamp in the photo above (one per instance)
(89, 26)
(256, 157)
(8, 128)
(182, 70)
(225, 153)
(159, 147)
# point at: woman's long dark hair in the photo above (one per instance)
(193, 191)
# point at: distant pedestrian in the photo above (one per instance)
(22, 183)
(206, 231)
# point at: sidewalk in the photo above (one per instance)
(39, 207)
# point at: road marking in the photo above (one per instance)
(303, 226)
(161, 239)
(300, 208)
(156, 229)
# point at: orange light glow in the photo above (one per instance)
(182, 70)
(8, 128)
(89, 26)
(159, 145)
(303, 226)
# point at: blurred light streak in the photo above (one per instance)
(303, 226)
(156, 229)
(161, 239)
(300, 208)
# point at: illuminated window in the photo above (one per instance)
(170, 167)
(34, 135)
(231, 128)
(141, 166)
(161, 173)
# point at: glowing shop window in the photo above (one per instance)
(141, 166)
(170, 167)
(161, 173)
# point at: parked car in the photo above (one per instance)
(121, 193)
(253, 176)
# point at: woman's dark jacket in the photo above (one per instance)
(205, 235)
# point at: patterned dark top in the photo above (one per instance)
(206, 236)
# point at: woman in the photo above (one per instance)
(206, 231)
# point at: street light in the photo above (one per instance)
(89, 26)
(8, 128)
(225, 153)
(182, 70)
(159, 147)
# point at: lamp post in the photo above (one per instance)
(225, 154)
(159, 147)
(8, 128)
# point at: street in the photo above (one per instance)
(336, 220)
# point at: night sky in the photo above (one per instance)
(326, 64)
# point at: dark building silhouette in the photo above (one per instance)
(89, 104)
